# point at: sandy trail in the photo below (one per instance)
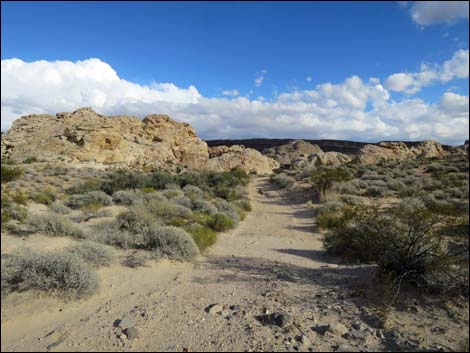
(272, 261)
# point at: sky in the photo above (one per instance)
(363, 71)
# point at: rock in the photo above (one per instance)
(249, 160)
(345, 348)
(214, 309)
(86, 136)
(338, 328)
(279, 318)
(362, 336)
(132, 333)
(287, 153)
(371, 154)
(321, 329)
(124, 323)
(359, 325)
(320, 159)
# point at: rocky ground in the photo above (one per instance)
(267, 285)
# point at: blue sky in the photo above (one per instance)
(256, 50)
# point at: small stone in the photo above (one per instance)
(132, 333)
(124, 323)
(280, 319)
(321, 329)
(214, 309)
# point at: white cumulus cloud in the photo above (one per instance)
(354, 109)
(231, 93)
(456, 67)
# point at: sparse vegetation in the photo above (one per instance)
(93, 253)
(10, 173)
(54, 225)
(282, 180)
(59, 273)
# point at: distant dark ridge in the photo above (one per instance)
(348, 147)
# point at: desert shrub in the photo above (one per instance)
(334, 215)
(136, 258)
(46, 197)
(324, 177)
(172, 186)
(375, 191)
(227, 208)
(126, 197)
(203, 206)
(405, 241)
(352, 199)
(59, 273)
(203, 236)
(10, 173)
(95, 210)
(243, 204)
(220, 222)
(171, 193)
(282, 180)
(53, 225)
(170, 241)
(89, 198)
(19, 197)
(135, 219)
(125, 179)
(193, 192)
(183, 201)
(85, 186)
(153, 196)
(349, 187)
(11, 210)
(60, 208)
(167, 210)
(30, 160)
(160, 179)
(93, 253)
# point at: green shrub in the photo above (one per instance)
(193, 192)
(19, 197)
(405, 241)
(10, 173)
(170, 241)
(89, 198)
(167, 210)
(92, 253)
(203, 236)
(282, 180)
(58, 273)
(220, 222)
(54, 225)
(203, 207)
(127, 197)
(84, 187)
(125, 179)
(135, 219)
(243, 204)
(324, 177)
(60, 208)
(46, 197)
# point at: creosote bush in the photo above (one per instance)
(89, 198)
(59, 273)
(282, 180)
(220, 222)
(54, 225)
(10, 173)
(93, 253)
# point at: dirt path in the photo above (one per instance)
(272, 262)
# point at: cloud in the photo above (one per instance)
(308, 79)
(231, 93)
(426, 13)
(455, 68)
(260, 78)
(354, 109)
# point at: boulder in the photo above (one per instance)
(287, 153)
(320, 159)
(250, 160)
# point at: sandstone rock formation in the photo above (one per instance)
(320, 159)
(124, 141)
(286, 154)
(225, 158)
(371, 154)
